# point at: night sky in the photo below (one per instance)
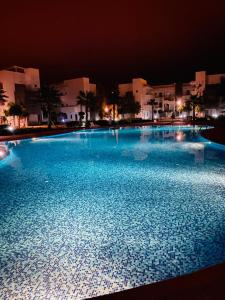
(113, 41)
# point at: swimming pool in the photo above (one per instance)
(99, 211)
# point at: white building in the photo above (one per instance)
(142, 94)
(165, 98)
(15, 81)
(164, 95)
(70, 90)
(211, 86)
(169, 97)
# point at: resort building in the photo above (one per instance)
(214, 92)
(164, 96)
(170, 97)
(70, 90)
(142, 93)
(16, 81)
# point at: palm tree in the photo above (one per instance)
(196, 99)
(128, 105)
(50, 98)
(95, 106)
(88, 100)
(16, 110)
(152, 103)
(3, 99)
(114, 99)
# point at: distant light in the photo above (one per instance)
(179, 102)
(215, 115)
(106, 109)
(63, 120)
(10, 128)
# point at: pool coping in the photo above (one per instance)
(205, 284)
(215, 135)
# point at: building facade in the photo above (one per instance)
(164, 96)
(70, 90)
(15, 81)
(141, 91)
(214, 93)
(169, 98)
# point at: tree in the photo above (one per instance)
(196, 100)
(95, 106)
(152, 103)
(114, 99)
(3, 97)
(16, 110)
(50, 99)
(128, 105)
(88, 100)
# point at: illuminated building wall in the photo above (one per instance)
(141, 92)
(70, 90)
(15, 81)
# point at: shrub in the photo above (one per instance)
(72, 124)
(102, 123)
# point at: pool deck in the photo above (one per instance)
(208, 284)
(40, 133)
(216, 135)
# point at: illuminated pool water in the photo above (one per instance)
(94, 212)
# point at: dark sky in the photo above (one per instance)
(113, 41)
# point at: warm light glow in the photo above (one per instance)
(179, 102)
(179, 136)
(106, 109)
(10, 128)
(183, 115)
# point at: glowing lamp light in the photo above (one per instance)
(179, 102)
(215, 115)
(106, 109)
(10, 128)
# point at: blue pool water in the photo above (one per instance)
(95, 212)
